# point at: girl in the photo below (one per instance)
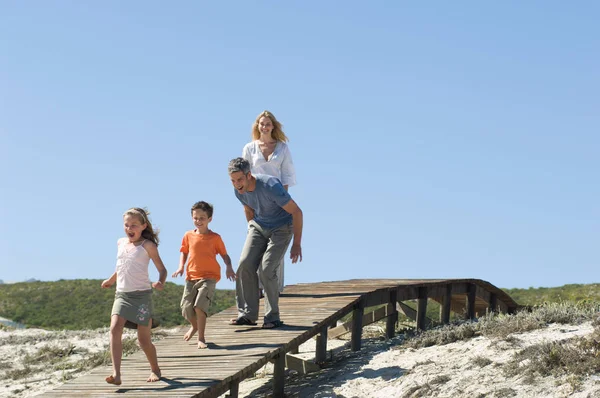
(133, 298)
(269, 154)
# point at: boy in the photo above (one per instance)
(201, 247)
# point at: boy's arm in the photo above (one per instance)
(110, 281)
(182, 260)
(162, 271)
(297, 221)
(229, 272)
(249, 212)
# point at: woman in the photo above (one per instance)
(269, 154)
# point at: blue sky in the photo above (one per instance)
(439, 140)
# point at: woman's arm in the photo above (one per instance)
(288, 171)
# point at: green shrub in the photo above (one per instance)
(83, 304)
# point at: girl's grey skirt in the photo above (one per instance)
(135, 307)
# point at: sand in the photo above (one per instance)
(383, 368)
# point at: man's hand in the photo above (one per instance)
(296, 253)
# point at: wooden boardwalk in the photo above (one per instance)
(308, 310)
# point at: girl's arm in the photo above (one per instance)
(288, 171)
(229, 272)
(182, 261)
(162, 271)
(110, 281)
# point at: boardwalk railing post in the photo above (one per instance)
(321, 350)
(234, 389)
(279, 376)
(493, 303)
(392, 316)
(446, 303)
(357, 319)
(421, 307)
(472, 288)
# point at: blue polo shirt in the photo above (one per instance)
(267, 200)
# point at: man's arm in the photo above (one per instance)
(248, 212)
(292, 208)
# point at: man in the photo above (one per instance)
(273, 218)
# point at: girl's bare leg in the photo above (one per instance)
(116, 348)
(201, 317)
(145, 340)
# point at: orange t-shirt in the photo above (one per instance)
(202, 250)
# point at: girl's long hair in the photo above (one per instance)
(277, 133)
(142, 215)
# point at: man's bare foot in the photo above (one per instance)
(202, 344)
(189, 334)
(113, 380)
(154, 376)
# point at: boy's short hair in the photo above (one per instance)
(204, 206)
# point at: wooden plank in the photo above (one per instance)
(377, 298)
(357, 325)
(421, 308)
(445, 307)
(392, 314)
(321, 346)
(279, 376)
(471, 301)
(368, 318)
(460, 288)
(411, 313)
(407, 293)
(238, 352)
(482, 293)
(300, 365)
(234, 389)
(493, 303)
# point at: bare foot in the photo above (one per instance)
(202, 344)
(113, 380)
(154, 376)
(189, 333)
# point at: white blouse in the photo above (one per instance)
(278, 165)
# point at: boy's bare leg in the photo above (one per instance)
(116, 348)
(201, 317)
(190, 315)
(190, 333)
(145, 341)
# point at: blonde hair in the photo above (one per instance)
(277, 133)
(142, 215)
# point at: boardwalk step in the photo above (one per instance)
(300, 365)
